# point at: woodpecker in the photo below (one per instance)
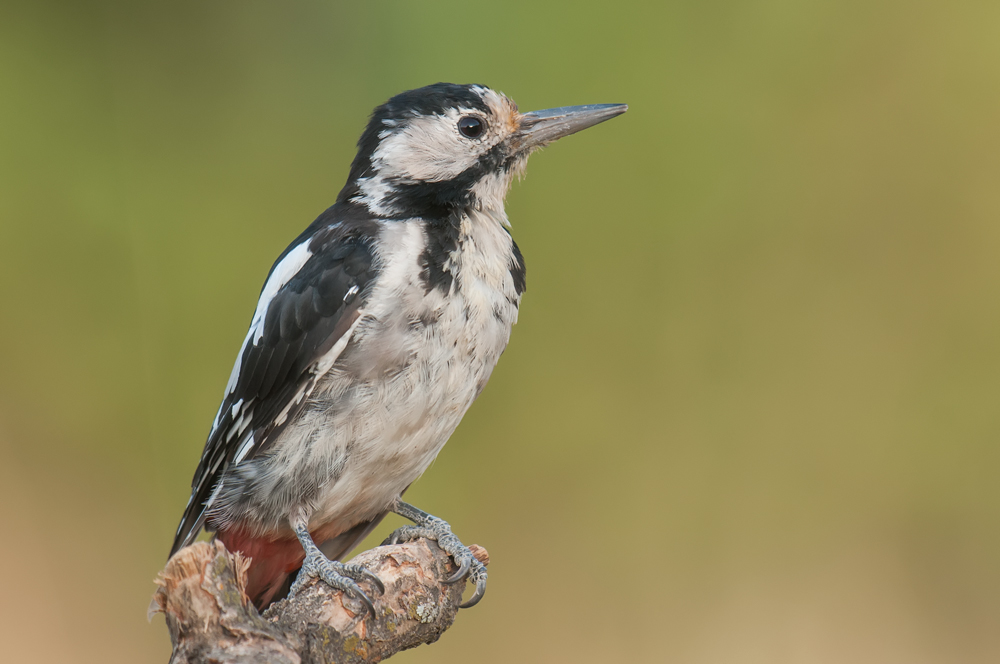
(374, 332)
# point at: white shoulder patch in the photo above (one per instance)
(281, 275)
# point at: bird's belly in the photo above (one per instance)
(387, 408)
(377, 468)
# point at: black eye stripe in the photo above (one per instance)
(471, 126)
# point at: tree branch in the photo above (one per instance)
(211, 619)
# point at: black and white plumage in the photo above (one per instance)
(374, 332)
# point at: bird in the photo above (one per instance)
(375, 331)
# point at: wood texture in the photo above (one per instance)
(211, 620)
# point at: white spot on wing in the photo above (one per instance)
(215, 494)
(245, 419)
(244, 449)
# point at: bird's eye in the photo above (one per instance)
(471, 127)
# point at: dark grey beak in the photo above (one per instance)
(540, 128)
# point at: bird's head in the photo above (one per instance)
(430, 151)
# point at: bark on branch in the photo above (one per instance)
(211, 620)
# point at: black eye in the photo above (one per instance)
(471, 127)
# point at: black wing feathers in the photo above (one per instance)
(304, 319)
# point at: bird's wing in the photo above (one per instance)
(307, 310)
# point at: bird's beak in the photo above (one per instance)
(540, 128)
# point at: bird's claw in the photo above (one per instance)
(359, 573)
(464, 567)
(477, 576)
(339, 576)
(436, 529)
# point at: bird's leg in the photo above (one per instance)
(335, 574)
(438, 530)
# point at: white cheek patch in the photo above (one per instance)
(431, 149)
(427, 149)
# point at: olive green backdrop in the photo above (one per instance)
(750, 412)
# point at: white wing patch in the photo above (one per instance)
(280, 275)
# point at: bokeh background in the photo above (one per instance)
(750, 413)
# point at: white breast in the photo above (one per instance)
(416, 363)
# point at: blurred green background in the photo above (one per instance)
(750, 413)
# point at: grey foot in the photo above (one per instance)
(438, 530)
(337, 575)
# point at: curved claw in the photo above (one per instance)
(463, 571)
(438, 530)
(360, 595)
(359, 573)
(480, 591)
(377, 582)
